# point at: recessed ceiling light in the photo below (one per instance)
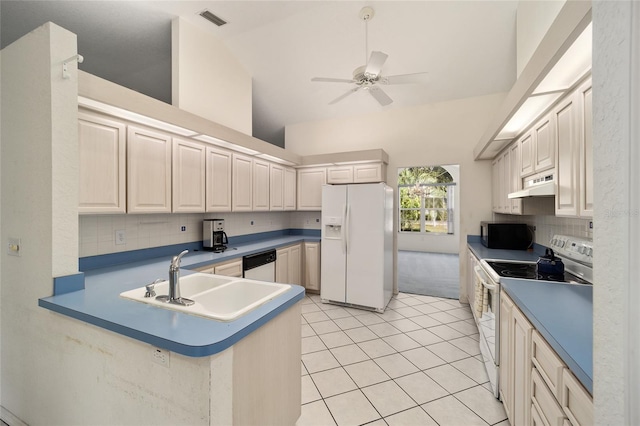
(212, 18)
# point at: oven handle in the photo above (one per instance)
(483, 280)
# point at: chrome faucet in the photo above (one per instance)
(174, 283)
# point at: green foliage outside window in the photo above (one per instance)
(426, 195)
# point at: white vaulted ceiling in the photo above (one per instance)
(467, 47)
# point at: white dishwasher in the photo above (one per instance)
(260, 266)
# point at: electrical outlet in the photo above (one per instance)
(251, 223)
(183, 228)
(160, 356)
(121, 237)
(589, 225)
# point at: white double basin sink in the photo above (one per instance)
(216, 297)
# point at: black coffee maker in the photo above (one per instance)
(213, 236)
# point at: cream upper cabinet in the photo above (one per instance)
(310, 181)
(260, 185)
(566, 113)
(369, 173)
(102, 168)
(586, 150)
(276, 187)
(357, 173)
(148, 171)
(312, 266)
(537, 147)
(526, 154)
(188, 171)
(242, 183)
(515, 182)
(500, 174)
(544, 147)
(340, 174)
(218, 180)
(289, 188)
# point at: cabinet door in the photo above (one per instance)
(586, 151)
(505, 178)
(232, 268)
(295, 265)
(544, 148)
(472, 261)
(576, 402)
(188, 171)
(276, 187)
(340, 174)
(310, 183)
(544, 401)
(289, 188)
(260, 185)
(521, 368)
(218, 180)
(515, 182)
(102, 168)
(148, 171)
(506, 354)
(242, 183)
(568, 153)
(282, 265)
(312, 266)
(368, 173)
(495, 184)
(526, 155)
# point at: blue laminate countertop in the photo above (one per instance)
(563, 315)
(482, 252)
(100, 303)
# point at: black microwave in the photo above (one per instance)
(511, 236)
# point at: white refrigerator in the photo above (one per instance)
(357, 245)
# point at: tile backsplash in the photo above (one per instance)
(548, 226)
(103, 234)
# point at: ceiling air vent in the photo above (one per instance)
(212, 18)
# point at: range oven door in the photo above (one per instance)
(487, 311)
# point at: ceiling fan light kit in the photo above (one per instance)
(368, 76)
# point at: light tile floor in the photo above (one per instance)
(416, 364)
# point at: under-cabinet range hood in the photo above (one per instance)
(537, 186)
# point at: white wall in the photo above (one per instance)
(616, 101)
(442, 133)
(533, 20)
(207, 80)
(39, 206)
(432, 243)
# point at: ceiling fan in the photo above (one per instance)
(367, 77)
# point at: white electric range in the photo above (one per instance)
(575, 253)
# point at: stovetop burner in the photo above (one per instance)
(529, 271)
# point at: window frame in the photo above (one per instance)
(449, 209)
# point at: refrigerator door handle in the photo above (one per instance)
(346, 228)
(343, 230)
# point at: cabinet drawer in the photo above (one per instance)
(548, 363)
(205, 269)
(230, 269)
(544, 401)
(536, 418)
(576, 402)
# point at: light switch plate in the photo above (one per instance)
(13, 247)
(121, 237)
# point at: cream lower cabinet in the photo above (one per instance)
(289, 265)
(536, 387)
(515, 362)
(231, 268)
(188, 176)
(102, 165)
(312, 266)
(148, 171)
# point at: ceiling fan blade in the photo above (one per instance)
(341, 97)
(415, 78)
(332, 80)
(376, 61)
(380, 95)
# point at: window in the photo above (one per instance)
(426, 197)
